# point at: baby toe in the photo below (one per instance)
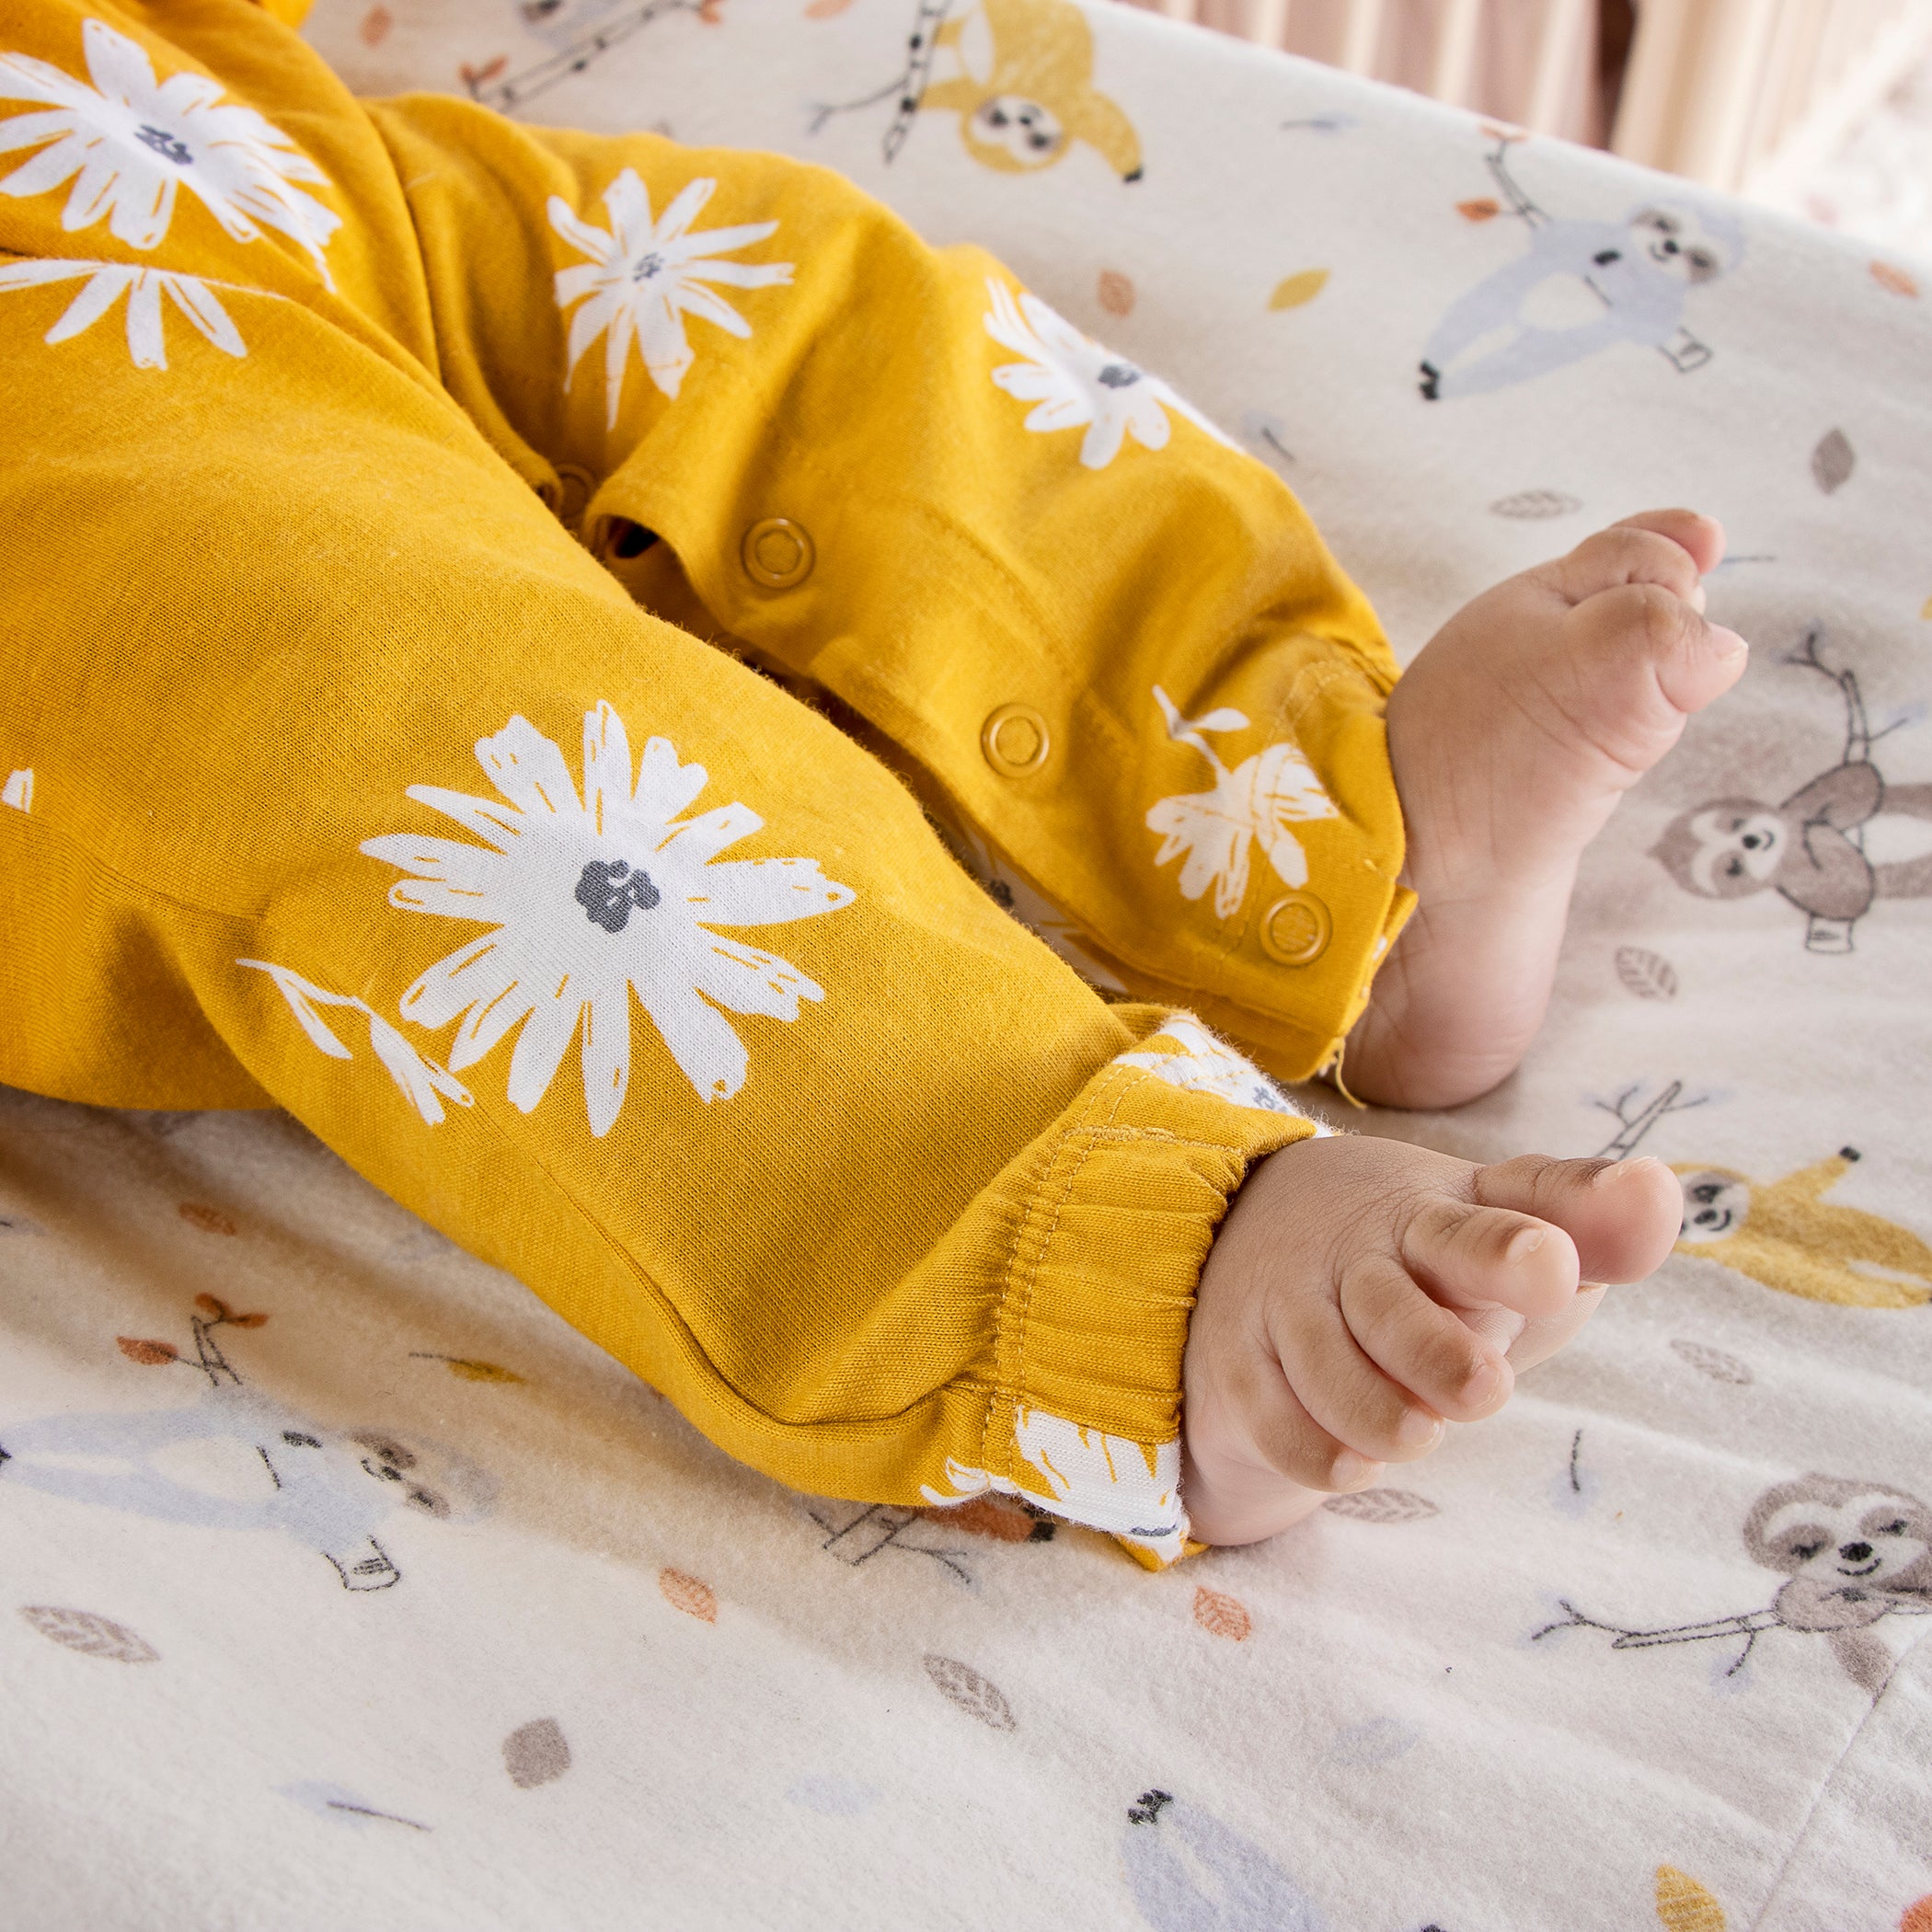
(1622, 1216)
(1439, 1358)
(1489, 1255)
(1345, 1394)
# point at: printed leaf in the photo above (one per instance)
(1223, 1615)
(996, 1516)
(1894, 279)
(375, 26)
(1383, 1506)
(1917, 1917)
(476, 76)
(149, 1355)
(1481, 209)
(1714, 1362)
(1833, 461)
(536, 1753)
(92, 1636)
(1685, 1906)
(826, 9)
(211, 1221)
(1535, 505)
(482, 1371)
(1116, 292)
(1646, 974)
(960, 1683)
(1299, 290)
(246, 1321)
(214, 1309)
(686, 1593)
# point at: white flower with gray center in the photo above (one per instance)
(106, 281)
(1074, 382)
(644, 276)
(593, 900)
(1198, 1062)
(134, 143)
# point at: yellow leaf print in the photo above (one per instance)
(1299, 288)
(1926, 610)
(1685, 1906)
(469, 1370)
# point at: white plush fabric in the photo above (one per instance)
(593, 1674)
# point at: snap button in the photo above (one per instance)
(575, 489)
(1015, 740)
(1296, 930)
(777, 553)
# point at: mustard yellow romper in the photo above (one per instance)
(553, 659)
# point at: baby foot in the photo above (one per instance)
(1362, 1292)
(1511, 737)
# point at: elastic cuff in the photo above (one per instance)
(1083, 1416)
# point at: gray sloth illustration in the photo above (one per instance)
(327, 1489)
(1581, 286)
(1831, 848)
(1854, 1553)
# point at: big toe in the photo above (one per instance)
(1624, 1216)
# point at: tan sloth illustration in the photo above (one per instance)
(1785, 1235)
(1022, 85)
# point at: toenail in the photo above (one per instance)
(1730, 647)
(1484, 1386)
(1524, 1243)
(1353, 1472)
(1417, 1428)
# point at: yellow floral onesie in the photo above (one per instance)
(554, 658)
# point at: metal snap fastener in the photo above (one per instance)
(777, 553)
(575, 489)
(1014, 740)
(1295, 930)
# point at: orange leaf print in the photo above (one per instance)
(149, 1355)
(211, 1221)
(1887, 276)
(995, 1516)
(1115, 292)
(213, 1309)
(686, 1593)
(825, 9)
(1480, 209)
(476, 76)
(1683, 1905)
(246, 1321)
(1918, 1917)
(481, 1371)
(375, 26)
(1223, 1615)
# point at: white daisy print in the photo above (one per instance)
(593, 900)
(1263, 797)
(424, 1084)
(1202, 1065)
(1107, 1482)
(134, 143)
(1073, 381)
(109, 281)
(644, 276)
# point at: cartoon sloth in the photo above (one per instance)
(1583, 286)
(1803, 849)
(1853, 1552)
(1023, 90)
(1036, 97)
(1785, 1236)
(238, 1459)
(1830, 849)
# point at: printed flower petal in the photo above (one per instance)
(664, 786)
(749, 981)
(528, 769)
(540, 1047)
(693, 840)
(702, 1041)
(764, 892)
(607, 1058)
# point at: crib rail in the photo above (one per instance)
(1744, 94)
